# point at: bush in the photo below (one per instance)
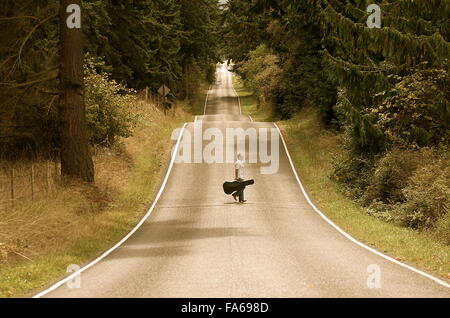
(407, 187)
(110, 107)
(442, 230)
(427, 196)
(354, 174)
(391, 175)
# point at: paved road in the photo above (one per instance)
(199, 243)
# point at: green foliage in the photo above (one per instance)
(385, 88)
(297, 38)
(363, 135)
(143, 43)
(261, 73)
(390, 176)
(405, 186)
(150, 43)
(201, 23)
(354, 174)
(141, 40)
(292, 32)
(110, 107)
(427, 196)
(442, 229)
(243, 30)
(369, 63)
(416, 111)
(28, 54)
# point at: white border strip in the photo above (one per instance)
(206, 100)
(237, 95)
(437, 280)
(149, 212)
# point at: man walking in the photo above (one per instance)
(239, 176)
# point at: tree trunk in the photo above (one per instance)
(76, 159)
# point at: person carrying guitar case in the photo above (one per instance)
(236, 188)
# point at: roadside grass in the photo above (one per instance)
(40, 239)
(248, 103)
(313, 150)
(198, 101)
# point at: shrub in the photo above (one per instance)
(391, 175)
(354, 174)
(427, 196)
(110, 107)
(442, 230)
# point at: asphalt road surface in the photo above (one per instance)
(198, 242)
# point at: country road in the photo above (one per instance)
(198, 242)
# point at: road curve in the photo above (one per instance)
(198, 243)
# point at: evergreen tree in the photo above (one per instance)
(143, 43)
(76, 159)
(331, 59)
(368, 62)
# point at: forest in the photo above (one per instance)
(83, 119)
(82, 125)
(133, 44)
(385, 90)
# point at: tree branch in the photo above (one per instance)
(18, 17)
(27, 37)
(53, 74)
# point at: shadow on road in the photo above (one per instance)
(165, 233)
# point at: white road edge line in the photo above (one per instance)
(237, 95)
(149, 212)
(348, 236)
(206, 100)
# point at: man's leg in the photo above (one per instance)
(241, 195)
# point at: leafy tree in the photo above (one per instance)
(261, 73)
(111, 108)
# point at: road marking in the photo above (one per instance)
(149, 212)
(206, 100)
(239, 99)
(437, 280)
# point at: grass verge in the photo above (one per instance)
(312, 149)
(198, 101)
(81, 221)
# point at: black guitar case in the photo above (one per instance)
(230, 187)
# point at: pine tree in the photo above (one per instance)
(367, 62)
(76, 159)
